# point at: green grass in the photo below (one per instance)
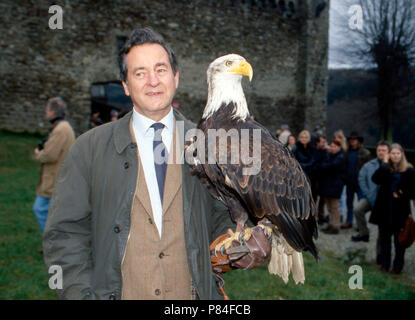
(23, 274)
(327, 279)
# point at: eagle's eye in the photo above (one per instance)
(228, 63)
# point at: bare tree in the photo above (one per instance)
(386, 40)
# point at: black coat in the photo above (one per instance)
(389, 210)
(305, 157)
(332, 171)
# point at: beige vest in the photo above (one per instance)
(154, 268)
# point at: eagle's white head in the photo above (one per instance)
(224, 77)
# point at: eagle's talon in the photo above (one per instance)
(267, 230)
(227, 242)
(247, 234)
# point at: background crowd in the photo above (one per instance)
(340, 169)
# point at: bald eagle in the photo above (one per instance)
(277, 197)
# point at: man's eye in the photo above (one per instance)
(139, 74)
(161, 70)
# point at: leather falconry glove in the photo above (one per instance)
(250, 249)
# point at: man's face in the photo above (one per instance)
(151, 83)
(354, 143)
(49, 114)
(381, 151)
(322, 142)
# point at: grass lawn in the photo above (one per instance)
(24, 276)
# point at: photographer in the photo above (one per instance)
(50, 153)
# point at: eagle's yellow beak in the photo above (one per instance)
(244, 68)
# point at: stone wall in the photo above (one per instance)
(285, 41)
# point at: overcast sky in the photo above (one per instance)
(339, 35)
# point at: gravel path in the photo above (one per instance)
(339, 243)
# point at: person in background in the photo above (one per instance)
(285, 133)
(51, 153)
(320, 154)
(114, 115)
(95, 120)
(332, 170)
(356, 156)
(303, 151)
(316, 132)
(369, 191)
(291, 141)
(392, 206)
(339, 136)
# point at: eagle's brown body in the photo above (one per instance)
(280, 191)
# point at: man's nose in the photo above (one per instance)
(153, 79)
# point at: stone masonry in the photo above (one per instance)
(285, 41)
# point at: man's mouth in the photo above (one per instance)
(153, 94)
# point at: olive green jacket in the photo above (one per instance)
(89, 218)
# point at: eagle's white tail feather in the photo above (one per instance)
(285, 259)
(298, 267)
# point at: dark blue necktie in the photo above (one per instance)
(160, 157)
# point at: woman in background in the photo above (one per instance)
(291, 141)
(392, 206)
(303, 151)
(340, 137)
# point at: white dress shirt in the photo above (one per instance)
(144, 136)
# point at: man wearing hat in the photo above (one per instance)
(356, 157)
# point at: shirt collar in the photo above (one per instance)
(142, 124)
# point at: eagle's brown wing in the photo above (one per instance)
(280, 191)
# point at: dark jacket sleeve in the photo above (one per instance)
(67, 236)
(333, 164)
(381, 175)
(220, 220)
(407, 184)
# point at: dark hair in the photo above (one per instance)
(141, 36)
(337, 143)
(383, 143)
(58, 106)
(319, 137)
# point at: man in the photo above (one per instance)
(369, 190)
(50, 153)
(356, 156)
(316, 133)
(285, 133)
(332, 170)
(125, 224)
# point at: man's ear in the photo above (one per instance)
(176, 79)
(124, 84)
